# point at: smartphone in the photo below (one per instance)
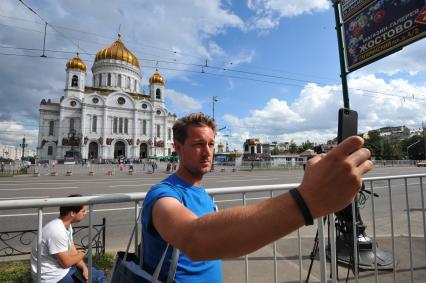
(348, 124)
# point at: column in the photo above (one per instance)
(103, 148)
(60, 133)
(135, 133)
(153, 132)
(83, 130)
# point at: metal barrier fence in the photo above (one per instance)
(17, 243)
(146, 167)
(401, 213)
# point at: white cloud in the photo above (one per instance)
(11, 133)
(313, 114)
(269, 12)
(411, 60)
(182, 103)
(165, 30)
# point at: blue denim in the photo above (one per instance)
(98, 276)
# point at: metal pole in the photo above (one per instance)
(44, 40)
(424, 139)
(39, 237)
(343, 72)
(323, 259)
(90, 241)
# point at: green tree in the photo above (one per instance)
(307, 145)
(391, 150)
(374, 143)
(293, 148)
(275, 151)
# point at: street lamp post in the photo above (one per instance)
(214, 100)
(408, 147)
(23, 145)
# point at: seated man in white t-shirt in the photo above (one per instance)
(59, 257)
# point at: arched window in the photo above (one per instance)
(120, 125)
(94, 124)
(100, 80)
(158, 131)
(143, 127)
(158, 93)
(51, 125)
(114, 127)
(50, 150)
(128, 83)
(71, 125)
(109, 80)
(126, 126)
(119, 80)
(74, 81)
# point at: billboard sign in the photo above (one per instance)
(383, 27)
(351, 7)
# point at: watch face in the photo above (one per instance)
(95, 100)
(121, 100)
(73, 103)
(144, 106)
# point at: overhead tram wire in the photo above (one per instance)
(51, 26)
(206, 65)
(394, 96)
(206, 72)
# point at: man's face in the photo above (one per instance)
(196, 154)
(81, 214)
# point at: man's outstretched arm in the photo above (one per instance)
(330, 183)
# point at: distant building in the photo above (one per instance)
(111, 119)
(399, 133)
(15, 152)
(254, 150)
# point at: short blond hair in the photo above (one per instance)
(195, 119)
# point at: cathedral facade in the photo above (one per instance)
(111, 119)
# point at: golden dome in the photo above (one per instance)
(220, 145)
(76, 63)
(117, 51)
(156, 78)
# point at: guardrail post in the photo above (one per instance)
(39, 237)
(323, 260)
(103, 235)
(376, 274)
(137, 226)
(90, 241)
(409, 230)
(423, 209)
(246, 257)
(332, 247)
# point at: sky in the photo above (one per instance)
(272, 64)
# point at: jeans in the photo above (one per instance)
(97, 276)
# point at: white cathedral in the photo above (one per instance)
(111, 119)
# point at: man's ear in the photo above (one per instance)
(177, 145)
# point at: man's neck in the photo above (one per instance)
(67, 222)
(189, 178)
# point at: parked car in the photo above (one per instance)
(421, 164)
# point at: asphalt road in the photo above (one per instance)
(119, 216)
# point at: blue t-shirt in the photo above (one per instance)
(199, 202)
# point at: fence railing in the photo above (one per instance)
(396, 218)
(146, 167)
(19, 242)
